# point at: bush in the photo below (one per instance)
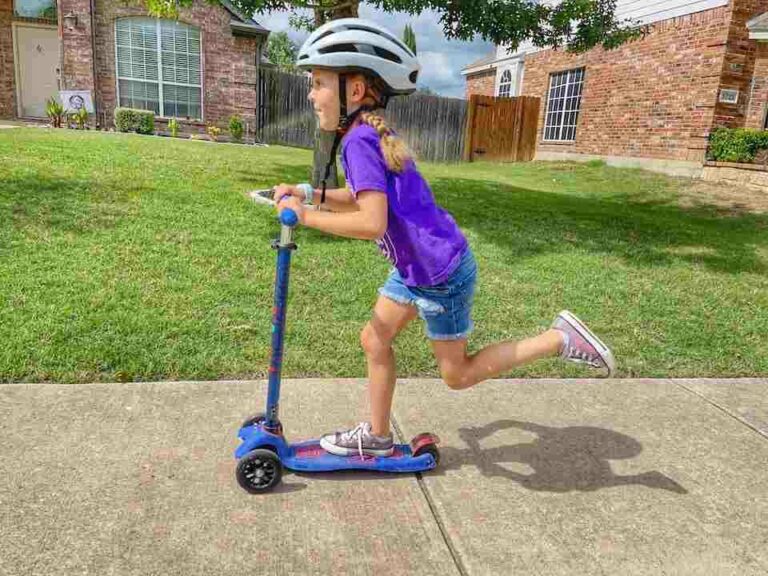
(236, 128)
(173, 126)
(80, 118)
(736, 144)
(132, 120)
(213, 132)
(55, 111)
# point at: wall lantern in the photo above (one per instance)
(70, 20)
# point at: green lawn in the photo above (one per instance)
(137, 258)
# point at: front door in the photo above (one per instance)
(37, 59)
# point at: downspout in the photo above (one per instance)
(258, 90)
(93, 61)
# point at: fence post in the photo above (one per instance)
(469, 133)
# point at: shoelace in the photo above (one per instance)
(357, 432)
(582, 356)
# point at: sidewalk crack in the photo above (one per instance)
(455, 556)
(723, 409)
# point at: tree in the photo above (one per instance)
(409, 38)
(577, 25)
(282, 51)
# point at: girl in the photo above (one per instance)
(356, 66)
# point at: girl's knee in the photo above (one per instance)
(373, 343)
(456, 376)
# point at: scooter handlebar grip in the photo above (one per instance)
(289, 218)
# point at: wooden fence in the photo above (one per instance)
(437, 129)
(432, 126)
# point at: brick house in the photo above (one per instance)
(201, 68)
(652, 102)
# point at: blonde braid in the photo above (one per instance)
(395, 150)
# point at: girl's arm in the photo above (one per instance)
(368, 223)
(336, 200)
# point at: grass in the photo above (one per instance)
(137, 258)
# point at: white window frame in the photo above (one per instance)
(563, 111)
(505, 84)
(160, 80)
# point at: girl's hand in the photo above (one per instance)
(286, 190)
(294, 204)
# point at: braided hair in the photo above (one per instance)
(395, 150)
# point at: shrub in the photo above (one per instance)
(80, 117)
(173, 126)
(736, 144)
(236, 128)
(213, 131)
(132, 120)
(55, 111)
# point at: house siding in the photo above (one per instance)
(652, 98)
(7, 73)
(647, 12)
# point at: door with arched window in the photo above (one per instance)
(505, 84)
(158, 66)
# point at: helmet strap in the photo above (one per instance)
(345, 123)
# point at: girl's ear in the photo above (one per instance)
(358, 89)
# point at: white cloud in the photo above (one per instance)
(441, 59)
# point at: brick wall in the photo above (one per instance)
(229, 62)
(652, 98)
(7, 74)
(739, 63)
(483, 83)
(758, 95)
(76, 49)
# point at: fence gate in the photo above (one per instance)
(501, 128)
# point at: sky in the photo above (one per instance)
(441, 59)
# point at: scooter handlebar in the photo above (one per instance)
(289, 218)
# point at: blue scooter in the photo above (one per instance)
(264, 450)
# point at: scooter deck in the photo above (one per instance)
(310, 457)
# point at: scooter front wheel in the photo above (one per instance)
(259, 471)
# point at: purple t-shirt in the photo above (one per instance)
(422, 240)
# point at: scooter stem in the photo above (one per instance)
(284, 247)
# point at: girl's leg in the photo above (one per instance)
(460, 370)
(389, 319)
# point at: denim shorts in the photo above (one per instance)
(446, 308)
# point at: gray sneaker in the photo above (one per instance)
(581, 345)
(358, 440)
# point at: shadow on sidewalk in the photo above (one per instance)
(574, 458)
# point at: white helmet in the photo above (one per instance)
(354, 44)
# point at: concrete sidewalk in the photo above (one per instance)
(537, 477)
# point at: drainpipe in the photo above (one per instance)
(93, 61)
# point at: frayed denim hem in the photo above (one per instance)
(451, 337)
(395, 297)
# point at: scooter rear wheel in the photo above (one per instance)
(259, 471)
(429, 449)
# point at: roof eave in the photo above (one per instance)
(758, 22)
(478, 69)
(244, 29)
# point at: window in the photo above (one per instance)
(35, 9)
(563, 105)
(158, 67)
(505, 86)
